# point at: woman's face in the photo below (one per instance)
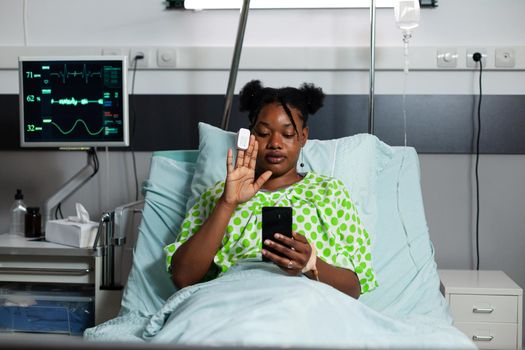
(279, 144)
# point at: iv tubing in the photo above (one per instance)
(406, 38)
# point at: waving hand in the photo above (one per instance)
(241, 185)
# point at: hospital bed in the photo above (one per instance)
(254, 304)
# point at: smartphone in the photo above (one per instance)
(275, 220)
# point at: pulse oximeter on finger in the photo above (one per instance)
(243, 139)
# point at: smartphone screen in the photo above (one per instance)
(275, 220)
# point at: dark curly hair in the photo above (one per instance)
(307, 100)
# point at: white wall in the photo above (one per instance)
(144, 22)
(447, 180)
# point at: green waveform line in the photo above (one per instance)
(73, 101)
(74, 125)
(84, 73)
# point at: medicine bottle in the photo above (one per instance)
(33, 222)
(18, 213)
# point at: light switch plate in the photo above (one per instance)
(447, 57)
(166, 57)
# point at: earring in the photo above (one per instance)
(302, 162)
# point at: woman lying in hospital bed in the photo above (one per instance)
(227, 296)
(329, 242)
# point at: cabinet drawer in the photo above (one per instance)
(47, 269)
(484, 308)
(491, 335)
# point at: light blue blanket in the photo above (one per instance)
(255, 304)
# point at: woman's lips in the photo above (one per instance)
(274, 158)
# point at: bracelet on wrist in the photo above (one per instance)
(311, 264)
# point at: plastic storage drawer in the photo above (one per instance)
(37, 308)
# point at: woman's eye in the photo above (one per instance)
(289, 136)
(262, 134)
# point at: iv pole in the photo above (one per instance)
(235, 64)
(372, 67)
(237, 57)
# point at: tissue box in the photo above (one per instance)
(81, 235)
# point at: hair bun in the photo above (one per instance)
(313, 96)
(248, 97)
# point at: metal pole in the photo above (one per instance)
(235, 64)
(372, 67)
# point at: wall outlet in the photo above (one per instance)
(141, 63)
(505, 57)
(470, 61)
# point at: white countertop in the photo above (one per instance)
(14, 244)
(476, 282)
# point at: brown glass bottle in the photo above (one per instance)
(33, 222)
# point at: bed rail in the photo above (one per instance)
(112, 237)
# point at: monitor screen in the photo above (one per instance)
(73, 101)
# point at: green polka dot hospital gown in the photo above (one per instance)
(322, 211)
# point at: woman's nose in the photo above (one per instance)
(275, 141)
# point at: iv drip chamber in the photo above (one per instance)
(407, 14)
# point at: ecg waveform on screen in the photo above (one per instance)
(73, 101)
(84, 73)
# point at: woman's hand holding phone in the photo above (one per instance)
(241, 185)
(294, 252)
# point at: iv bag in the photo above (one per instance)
(407, 14)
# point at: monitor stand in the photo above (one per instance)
(66, 190)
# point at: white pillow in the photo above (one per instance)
(355, 160)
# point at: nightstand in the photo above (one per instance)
(24, 260)
(486, 306)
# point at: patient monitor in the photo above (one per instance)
(73, 101)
